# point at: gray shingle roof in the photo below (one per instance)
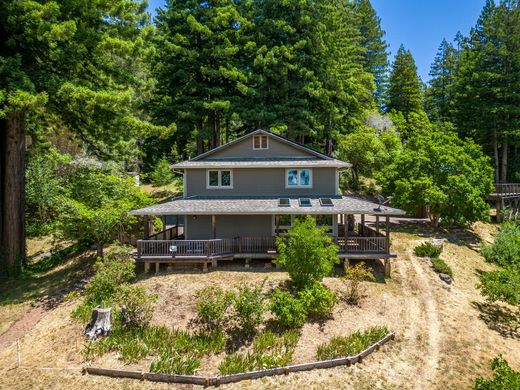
(261, 163)
(230, 205)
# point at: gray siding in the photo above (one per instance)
(229, 226)
(261, 182)
(244, 148)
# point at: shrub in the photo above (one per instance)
(341, 346)
(135, 305)
(212, 306)
(441, 267)
(353, 278)
(308, 254)
(505, 251)
(172, 362)
(289, 312)
(249, 308)
(162, 174)
(504, 377)
(501, 285)
(428, 249)
(117, 268)
(269, 350)
(318, 300)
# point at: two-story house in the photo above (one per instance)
(240, 196)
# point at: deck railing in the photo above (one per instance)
(248, 245)
(507, 188)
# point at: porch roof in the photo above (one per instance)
(256, 205)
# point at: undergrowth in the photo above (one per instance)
(342, 346)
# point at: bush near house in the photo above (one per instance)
(428, 249)
(289, 312)
(504, 377)
(505, 250)
(353, 278)
(318, 300)
(249, 308)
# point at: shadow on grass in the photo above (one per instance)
(49, 279)
(499, 318)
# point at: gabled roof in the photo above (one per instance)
(268, 133)
(315, 159)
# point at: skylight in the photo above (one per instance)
(305, 202)
(284, 202)
(326, 202)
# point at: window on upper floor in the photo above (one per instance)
(298, 178)
(219, 178)
(260, 142)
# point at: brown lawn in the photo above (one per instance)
(445, 335)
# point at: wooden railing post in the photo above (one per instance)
(387, 227)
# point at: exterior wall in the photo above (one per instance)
(245, 149)
(228, 226)
(261, 182)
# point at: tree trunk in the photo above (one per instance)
(495, 154)
(200, 141)
(99, 324)
(99, 248)
(503, 170)
(12, 205)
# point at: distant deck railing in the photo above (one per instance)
(505, 189)
(247, 245)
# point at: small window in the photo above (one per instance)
(220, 179)
(299, 178)
(284, 202)
(260, 142)
(326, 202)
(305, 202)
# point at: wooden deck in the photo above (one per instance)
(363, 243)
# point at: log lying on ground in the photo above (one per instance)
(99, 324)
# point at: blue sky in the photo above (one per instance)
(418, 24)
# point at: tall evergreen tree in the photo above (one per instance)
(375, 57)
(75, 63)
(487, 104)
(404, 90)
(440, 91)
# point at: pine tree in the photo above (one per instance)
(404, 90)
(375, 58)
(487, 103)
(74, 64)
(440, 91)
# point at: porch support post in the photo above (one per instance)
(214, 225)
(176, 226)
(146, 267)
(146, 223)
(377, 223)
(387, 231)
(277, 224)
(362, 224)
(387, 268)
(345, 224)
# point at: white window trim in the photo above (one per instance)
(219, 187)
(266, 141)
(287, 186)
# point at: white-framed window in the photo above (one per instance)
(298, 178)
(219, 178)
(260, 142)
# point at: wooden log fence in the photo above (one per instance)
(220, 380)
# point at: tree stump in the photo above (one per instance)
(99, 324)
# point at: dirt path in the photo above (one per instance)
(22, 326)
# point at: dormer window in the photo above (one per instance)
(260, 142)
(219, 179)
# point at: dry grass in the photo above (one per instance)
(445, 335)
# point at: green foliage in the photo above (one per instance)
(353, 278)
(404, 90)
(505, 250)
(502, 285)
(162, 174)
(136, 305)
(171, 362)
(289, 312)
(212, 306)
(318, 300)
(441, 267)
(504, 377)
(269, 350)
(437, 170)
(116, 269)
(353, 344)
(369, 150)
(308, 254)
(249, 308)
(428, 249)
